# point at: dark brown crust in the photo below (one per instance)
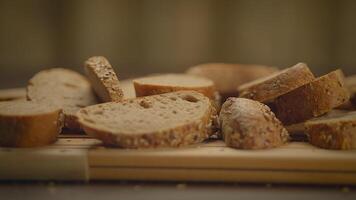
(248, 124)
(269, 88)
(313, 99)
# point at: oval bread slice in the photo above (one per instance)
(62, 88)
(248, 124)
(313, 99)
(166, 120)
(227, 77)
(28, 124)
(268, 88)
(335, 132)
(103, 79)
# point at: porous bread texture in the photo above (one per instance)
(248, 124)
(103, 79)
(313, 99)
(227, 77)
(165, 120)
(29, 124)
(335, 132)
(268, 88)
(164, 83)
(62, 88)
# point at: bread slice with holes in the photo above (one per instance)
(165, 120)
(268, 88)
(28, 124)
(227, 77)
(249, 124)
(333, 132)
(313, 99)
(103, 79)
(62, 88)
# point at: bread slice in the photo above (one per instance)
(28, 124)
(12, 94)
(165, 120)
(335, 132)
(313, 99)
(128, 88)
(268, 88)
(62, 88)
(248, 124)
(227, 77)
(163, 83)
(103, 79)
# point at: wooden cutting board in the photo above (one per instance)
(84, 158)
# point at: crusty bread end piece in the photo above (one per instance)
(103, 79)
(313, 99)
(248, 124)
(268, 88)
(165, 120)
(28, 124)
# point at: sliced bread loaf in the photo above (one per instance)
(335, 132)
(62, 88)
(227, 77)
(163, 83)
(12, 94)
(28, 124)
(103, 79)
(248, 124)
(165, 120)
(313, 99)
(268, 88)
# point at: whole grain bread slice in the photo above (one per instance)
(313, 99)
(62, 88)
(248, 124)
(103, 79)
(165, 120)
(28, 124)
(333, 132)
(227, 77)
(268, 88)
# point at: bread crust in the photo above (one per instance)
(268, 88)
(103, 79)
(333, 134)
(33, 130)
(189, 133)
(313, 99)
(248, 124)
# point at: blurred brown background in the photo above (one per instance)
(147, 36)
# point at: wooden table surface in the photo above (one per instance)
(169, 190)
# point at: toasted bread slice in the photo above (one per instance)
(62, 88)
(165, 120)
(28, 124)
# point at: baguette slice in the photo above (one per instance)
(165, 120)
(103, 79)
(12, 94)
(335, 132)
(159, 84)
(28, 124)
(313, 99)
(268, 88)
(227, 77)
(62, 88)
(248, 124)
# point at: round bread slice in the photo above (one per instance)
(103, 79)
(227, 77)
(248, 124)
(335, 132)
(165, 120)
(268, 88)
(163, 83)
(62, 88)
(313, 99)
(28, 124)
